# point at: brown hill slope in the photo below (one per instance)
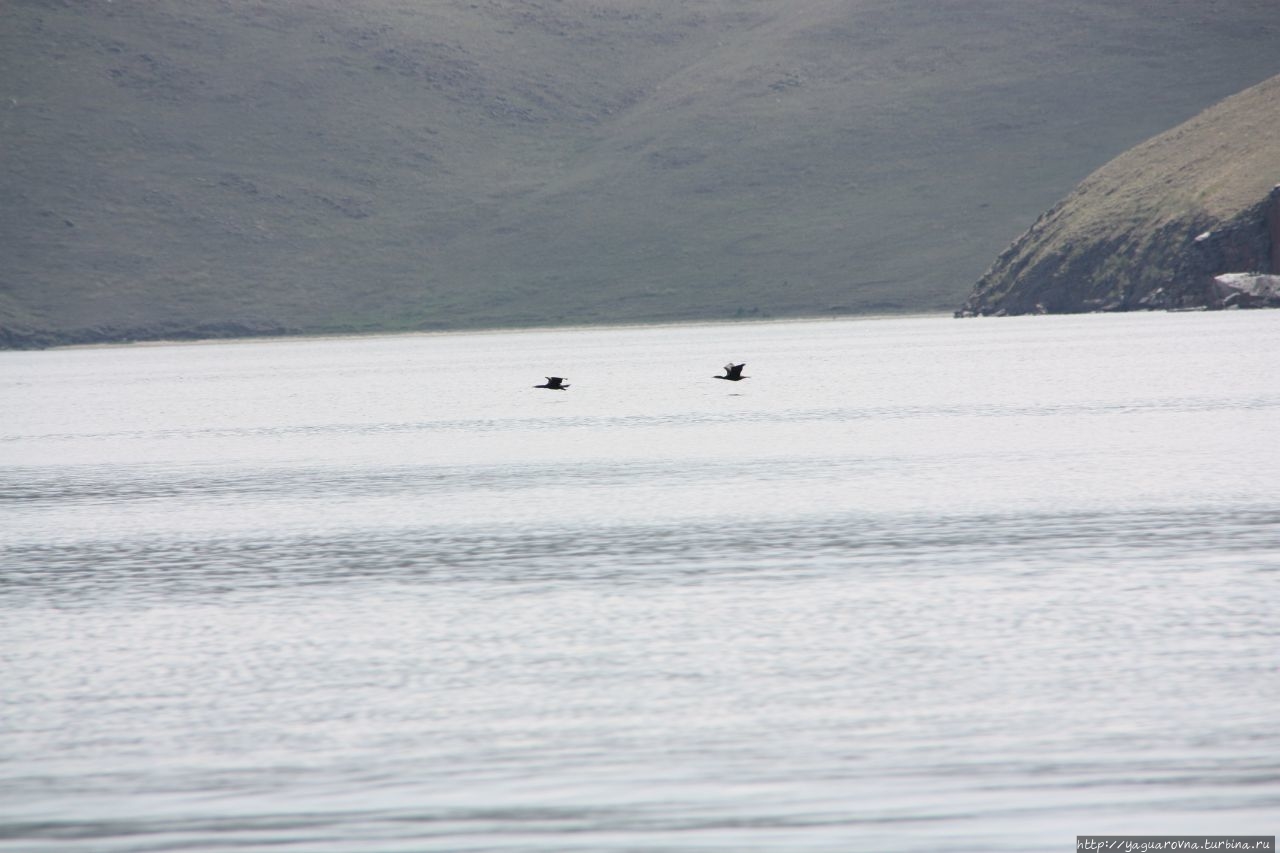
(1155, 226)
(174, 168)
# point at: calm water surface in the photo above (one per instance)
(916, 585)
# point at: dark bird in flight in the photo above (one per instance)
(555, 383)
(733, 372)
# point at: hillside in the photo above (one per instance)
(1176, 222)
(177, 169)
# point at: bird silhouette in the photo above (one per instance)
(555, 383)
(733, 372)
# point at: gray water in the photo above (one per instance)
(917, 584)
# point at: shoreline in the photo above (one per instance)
(487, 330)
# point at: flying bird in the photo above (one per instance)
(733, 372)
(555, 383)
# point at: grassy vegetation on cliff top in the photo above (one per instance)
(328, 164)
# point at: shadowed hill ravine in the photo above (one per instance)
(195, 170)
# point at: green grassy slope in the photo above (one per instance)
(1151, 228)
(243, 166)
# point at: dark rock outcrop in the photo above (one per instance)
(1189, 219)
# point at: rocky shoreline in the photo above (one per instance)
(1187, 264)
(1188, 220)
(19, 338)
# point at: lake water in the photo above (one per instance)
(916, 585)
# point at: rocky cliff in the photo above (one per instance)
(1188, 219)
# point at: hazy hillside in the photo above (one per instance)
(1153, 227)
(232, 166)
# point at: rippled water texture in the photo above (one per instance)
(917, 584)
